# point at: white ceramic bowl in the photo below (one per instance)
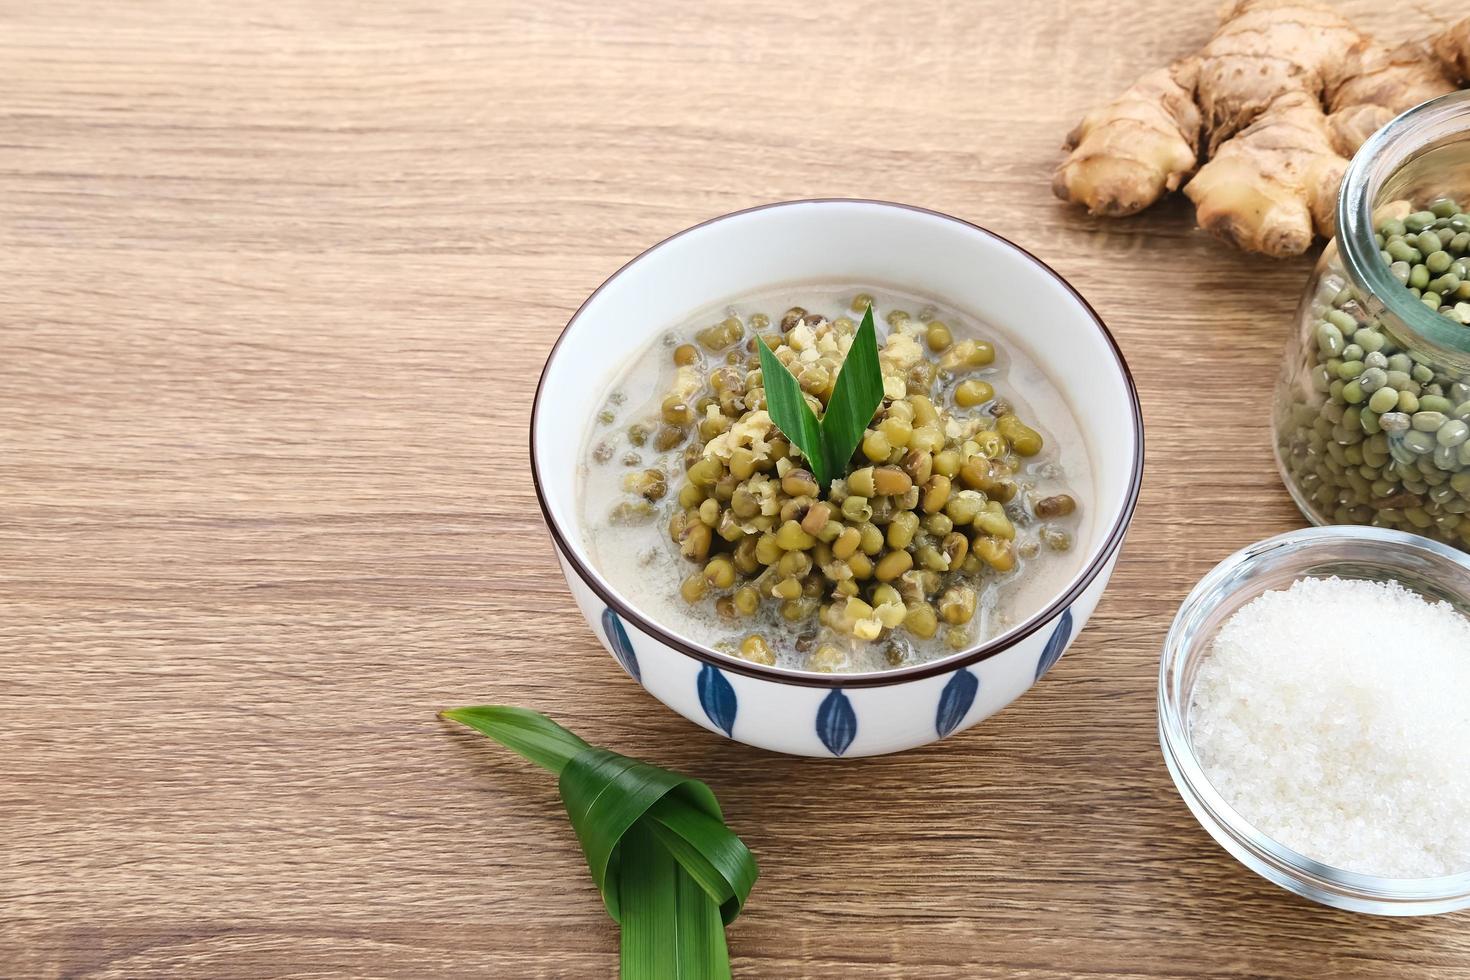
(956, 263)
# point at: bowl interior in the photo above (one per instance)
(850, 242)
(1358, 553)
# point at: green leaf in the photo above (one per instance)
(605, 794)
(635, 822)
(707, 849)
(787, 407)
(857, 395)
(521, 730)
(828, 444)
(671, 928)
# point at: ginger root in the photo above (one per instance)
(1274, 104)
(1134, 149)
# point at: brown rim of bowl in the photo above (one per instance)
(880, 678)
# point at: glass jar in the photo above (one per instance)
(1363, 338)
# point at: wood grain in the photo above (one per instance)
(278, 279)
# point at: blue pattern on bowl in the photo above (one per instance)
(836, 722)
(955, 701)
(1056, 645)
(717, 698)
(621, 646)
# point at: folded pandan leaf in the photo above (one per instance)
(670, 872)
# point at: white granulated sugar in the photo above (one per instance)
(1335, 717)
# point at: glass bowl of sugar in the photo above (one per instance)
(1314, 711)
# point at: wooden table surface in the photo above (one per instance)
(276, 281)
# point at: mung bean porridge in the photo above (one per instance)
(964, 511)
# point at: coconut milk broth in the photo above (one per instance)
(644, 565)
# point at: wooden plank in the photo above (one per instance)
(278, 281)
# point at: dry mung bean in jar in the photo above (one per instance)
(1372, 413)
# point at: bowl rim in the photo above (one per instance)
(883, 678)
(1282, 865)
